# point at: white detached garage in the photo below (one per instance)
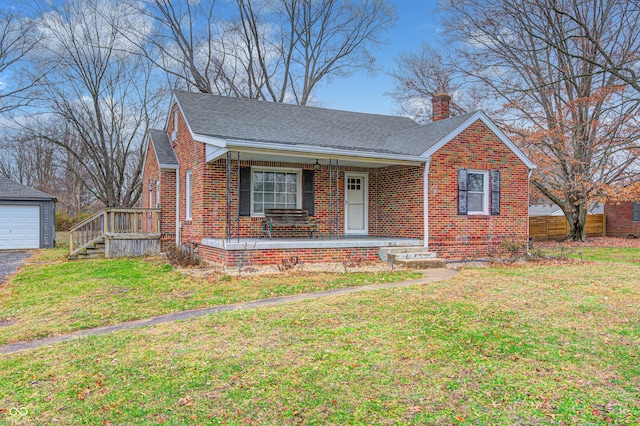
(27, 217)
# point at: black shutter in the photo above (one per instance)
(245, 191)
(495, 192)
(307, 191)
(636, 212)
(462, 191)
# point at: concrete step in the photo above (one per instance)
(387, 254)
(409, 256)
(421, 263)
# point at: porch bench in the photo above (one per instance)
(292, 218)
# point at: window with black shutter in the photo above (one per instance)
(495, 192)
(462, 191)
(474, 187)
(636, 212)
(308, 195)
(245, 191)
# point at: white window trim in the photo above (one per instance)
(277, 169)
(486, 192)
(188, 194)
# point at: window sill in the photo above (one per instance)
(479, 215)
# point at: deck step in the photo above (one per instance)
(93, 251)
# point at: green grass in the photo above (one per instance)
(506, 345)
(609, 254)
(47, 298)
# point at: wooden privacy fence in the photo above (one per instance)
(557, 227)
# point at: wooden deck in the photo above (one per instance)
(117, 232)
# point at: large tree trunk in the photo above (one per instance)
(577, 218)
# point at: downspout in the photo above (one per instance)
(425, 185)
(528, 219)
(178, 208)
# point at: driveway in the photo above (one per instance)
(10, 261)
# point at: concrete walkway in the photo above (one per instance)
(431, 275)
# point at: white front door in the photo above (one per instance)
(355, 203)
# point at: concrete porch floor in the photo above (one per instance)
(309, 243)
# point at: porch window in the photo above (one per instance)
(478, 194)
(188, 198)
(636, 212)
(274, 189)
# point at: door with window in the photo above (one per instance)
(355, 204)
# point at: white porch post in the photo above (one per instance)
(425, 185)
(178, 207)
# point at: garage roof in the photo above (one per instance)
(10, 190)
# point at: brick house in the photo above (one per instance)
(456, 187)
(623, 219)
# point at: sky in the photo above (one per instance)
(417, 22)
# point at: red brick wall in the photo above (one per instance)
(620, 220)
(167, 208)
(270, 257)
(457, 236)
(151, 171)
(396, 197)
(167, 196)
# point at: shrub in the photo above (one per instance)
(65, 221)
(183, 256)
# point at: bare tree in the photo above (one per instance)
(535, 65)
(614, 49)
(17, 38)
(29, 162)
(34, 161)
(276, 50)
(100, 96)
(421, 75)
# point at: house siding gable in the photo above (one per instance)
(456, 236)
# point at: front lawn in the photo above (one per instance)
(502, 345)
(55, 296)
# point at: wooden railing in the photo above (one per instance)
(557, 227)
(114, 221)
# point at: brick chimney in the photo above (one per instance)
(440, 106)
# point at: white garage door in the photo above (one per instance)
(19, 227)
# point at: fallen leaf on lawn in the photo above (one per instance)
(415, 409)
(186, 401)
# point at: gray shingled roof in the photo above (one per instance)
(162, 147)
(260, 121)
(284, 124)
(417, 140)
(10, 190)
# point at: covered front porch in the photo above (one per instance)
(357, 204)
(407, 252)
